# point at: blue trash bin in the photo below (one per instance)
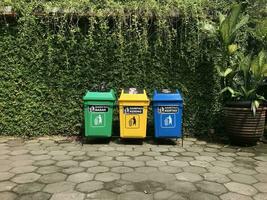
(168, 111)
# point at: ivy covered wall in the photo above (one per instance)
(52, 52)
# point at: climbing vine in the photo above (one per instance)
(51, 52)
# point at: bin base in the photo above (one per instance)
(97, 136)
(168, 137)
(133, 137)
(95, 140)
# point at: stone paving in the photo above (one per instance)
(47, 168)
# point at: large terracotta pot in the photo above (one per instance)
(241, 125)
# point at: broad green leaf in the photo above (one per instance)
(254, 66)
(223, 73)
(255, 62)
(250, 92)
(244, 66)
(230, 24)
(264, 71)
(262, 58)
(221, 17)
(227, 71)
(258, 65)
(218, 68)
(243, 21)
(227, 89)
(234, 15)
(253, 108)
(260, 97)
(237, 94)
(257, 103)
(246, 92)
(224, 31)
(234, 93)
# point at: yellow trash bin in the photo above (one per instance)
(133, 105)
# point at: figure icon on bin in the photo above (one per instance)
(168, 121)
(98, 121)
(132, 121)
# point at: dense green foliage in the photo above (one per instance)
(47, 62)
(243, 75)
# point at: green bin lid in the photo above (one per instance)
(102, 96)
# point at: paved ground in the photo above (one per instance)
(49, 168)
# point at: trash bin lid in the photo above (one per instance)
(104, 96)
(167, 95)
(133, 94)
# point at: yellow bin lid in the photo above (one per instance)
(133, 94)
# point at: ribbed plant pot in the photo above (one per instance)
(242, 127)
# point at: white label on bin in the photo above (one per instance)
(98, 108)
(168, 121)
(135, 110)
(168, 109)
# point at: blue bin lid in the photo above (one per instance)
(167, 95)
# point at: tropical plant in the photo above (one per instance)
(243, 74)
(229, 26)
(245, 80)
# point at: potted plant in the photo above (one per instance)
(242, 75)
(245, 113)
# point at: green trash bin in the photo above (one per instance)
(98, 113)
